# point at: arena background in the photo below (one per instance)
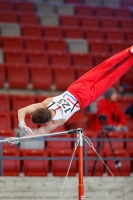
(45, 45)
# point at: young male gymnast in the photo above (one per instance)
(56, 111)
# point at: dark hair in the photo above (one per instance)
(41, 116)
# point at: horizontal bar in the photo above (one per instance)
(74, 139)
(62, 158)
(27, 138)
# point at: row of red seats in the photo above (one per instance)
(79, 9)
(73, 21)
(59, 167)
(57, 32)
(42, 77)
(102, 11)
(53, 146)
(17, 5)
(113, 42)
(60, 58)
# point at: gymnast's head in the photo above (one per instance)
(41, 116)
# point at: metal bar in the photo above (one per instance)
(85, 158)
(80, 165)
(73, 139)
(60, 158)
(27, 138)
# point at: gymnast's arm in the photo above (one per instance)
(30, 109)
(50, 126)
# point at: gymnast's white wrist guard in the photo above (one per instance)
(21, 123)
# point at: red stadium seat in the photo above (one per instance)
(100, 58)
(25, 7)
(60, 59)
(59, 144)
(116, 47)
(126, 23)
(129, 145)
(99, 166)
(4, 133)
(31, 30)
(10, 43)
(4, 6)
(15, 56)
(35, 43)
(84, 10)
(91, 119)
(5, 120)
(124, 103)
(128, 81)
(41, 77)
(125, 164)
(91, 134)
(33, 167)
(7, 17)
(82, 60)
(129, 35)
(99, 47)
(4, 103)
(123, 12)
(28, 121)
(73, 32)
(37, 57)
(126, 3)
(20, 101)
(104, 11)
(95, 34)
(117, 145)
(115, 35)
(18, 75)
(40, 98)
(129, 123)
(63, 77)
(2, 75)
(11, 167)
(112, 23)
(7, 133)
(80, 71)
(77, 120)
(59, 167)
(56, 45)
(52, 32)
(28, 18)
(69, 21)
(92, 22)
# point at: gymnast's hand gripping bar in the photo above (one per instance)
(27, 138)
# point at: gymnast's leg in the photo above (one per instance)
(95, 82)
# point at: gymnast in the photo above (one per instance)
(54, 112)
